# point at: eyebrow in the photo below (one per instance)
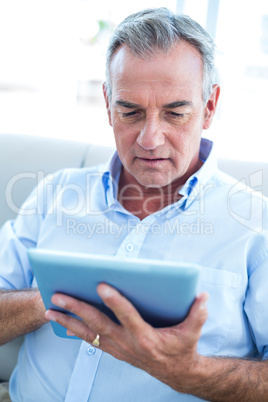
(128, 105)
(172, 105)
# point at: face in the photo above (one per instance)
(157, 114)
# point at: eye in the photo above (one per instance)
(132, 117)
(176, 115)
(176, 118)
(129, 114)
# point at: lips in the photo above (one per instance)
(154, 158)
(152, 161)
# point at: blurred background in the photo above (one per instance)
(52, 65)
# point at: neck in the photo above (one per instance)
(143, 201)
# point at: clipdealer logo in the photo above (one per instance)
(106, 227)
(249, 215)
(62, 199)
(47, 192)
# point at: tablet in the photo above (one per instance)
(162, 291)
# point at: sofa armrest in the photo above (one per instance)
(23, 159)
(8, 357)
(254, 174)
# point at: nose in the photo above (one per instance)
(151, 134)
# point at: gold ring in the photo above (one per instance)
(96, 341)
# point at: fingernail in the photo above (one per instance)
(59, 301)
(50, 315)
(203, 305)
(105, 291)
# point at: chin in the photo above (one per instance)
(153, 182)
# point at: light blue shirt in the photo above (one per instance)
(217, 223)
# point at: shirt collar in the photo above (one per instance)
(199, 179)
(110, 178)
(189, 190)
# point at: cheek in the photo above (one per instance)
(124, 142)
(186, 141)
(179, 138)
(124, 134)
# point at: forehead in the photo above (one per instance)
(180, 71)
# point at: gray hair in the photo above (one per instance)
(159, 29)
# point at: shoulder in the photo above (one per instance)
(244, 203)
(78, 176)
(243, 187)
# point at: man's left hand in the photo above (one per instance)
(169, 354)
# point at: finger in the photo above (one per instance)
(126, 313)
(92, 317)
(73, 325)
(197, 316)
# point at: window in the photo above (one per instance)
(240, 30)
(52, 65)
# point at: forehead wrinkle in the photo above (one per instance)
(180, 90)
(134, 95)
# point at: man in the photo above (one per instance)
(159, 97)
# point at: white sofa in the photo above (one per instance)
(22, 157)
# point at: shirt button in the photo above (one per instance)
(129, 247)
(90, 350)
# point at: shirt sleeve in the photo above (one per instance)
(19, 235)
(256, 304)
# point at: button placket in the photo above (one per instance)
(83, 373)
(131, 245)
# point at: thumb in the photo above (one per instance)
(197, 316)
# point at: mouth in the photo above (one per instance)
(152, 161)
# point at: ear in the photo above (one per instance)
(107, 101)
(210, 108)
